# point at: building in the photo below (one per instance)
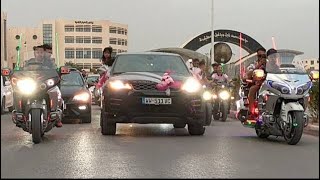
(310, 64)
(27, 37)
(77, 41)
(4, 55)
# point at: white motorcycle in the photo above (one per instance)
(281, 101)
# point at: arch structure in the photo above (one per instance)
(223, 35)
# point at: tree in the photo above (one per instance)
(73, 65)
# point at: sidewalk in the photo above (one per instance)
(312, 128)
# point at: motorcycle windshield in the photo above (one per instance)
(37, 65)
(284, 63)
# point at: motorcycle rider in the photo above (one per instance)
(273, 58)
(40, 57)
(255, 86)
(43, 57)
(219, 76)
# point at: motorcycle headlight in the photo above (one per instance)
(50, 82)
(26, 86)
(84, 96)
(224, 95)
(191, 85)
(303, 88)
(284, 89)
(207, 95)
(117, 85)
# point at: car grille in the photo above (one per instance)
(143, 85)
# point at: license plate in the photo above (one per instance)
(156, 101)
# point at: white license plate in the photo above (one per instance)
(156, 101)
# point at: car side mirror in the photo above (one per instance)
(64, 70)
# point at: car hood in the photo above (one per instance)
(145, 76)
(67, 91)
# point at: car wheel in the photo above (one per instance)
(179, 125)
(108, 127)
(196, 129)
(86, 119)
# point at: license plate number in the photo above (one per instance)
(156, 101)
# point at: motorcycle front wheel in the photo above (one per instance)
(294, 128)
(36, 125)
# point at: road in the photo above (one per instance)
(227, 150)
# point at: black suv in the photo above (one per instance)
(131, 96)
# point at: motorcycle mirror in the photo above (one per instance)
(314, 75)
(5, 72)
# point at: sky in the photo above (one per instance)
(170, 23)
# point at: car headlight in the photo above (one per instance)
(303, 88)
(207, 95)
(82, 97)
(191, 85)
(224, 95)
(117, 85)
(284, 89)
(26, 86)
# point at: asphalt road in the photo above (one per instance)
(227, 150)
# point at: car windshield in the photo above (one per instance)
(92, 78)
(279, 63)
(150, 63)
(72, 79)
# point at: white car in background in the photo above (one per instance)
(6, 94)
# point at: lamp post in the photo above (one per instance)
(212, 33)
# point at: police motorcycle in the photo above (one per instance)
(221, 99)
(37, 98)
(280, 105)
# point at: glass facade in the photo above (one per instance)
(47, 34)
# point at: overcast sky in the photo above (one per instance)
(169, 23)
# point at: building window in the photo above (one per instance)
(113, 41)
(47, 34)
(312, 62)
(87, 39)
(17, 37)
(69, 53)
(69, 39)
(113, 30)
(35, 37)
(121, 42)
(79, 39)
(87, 53)
(120, 30)
(69, 28)
(96, 53)
(125, 31)
(79, 28)
(96, 28)
(126, 42)
(87, 28)
(97, 40)
(79, 53)
(311, 68)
